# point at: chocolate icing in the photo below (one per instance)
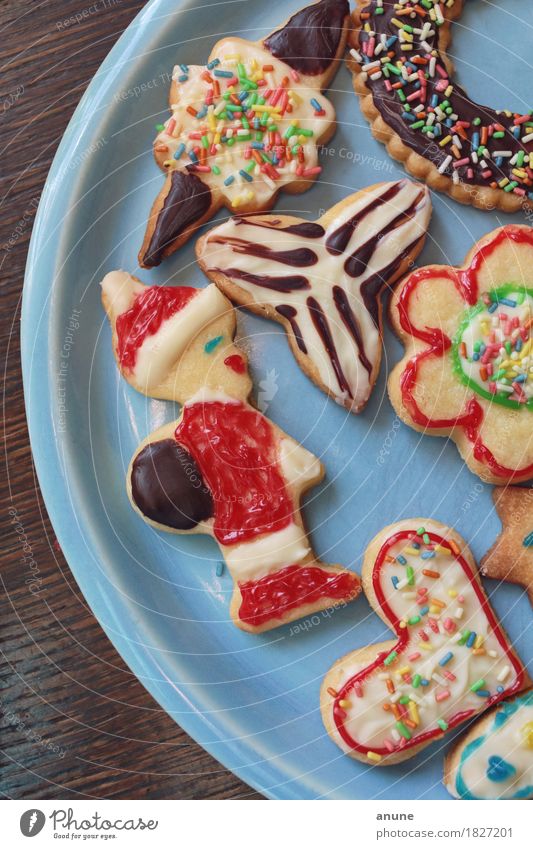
(350, 320)
(391, 108)
(310, 39)
(288, 283)
(168, 488)
(306, 229)
(322, 327)
(374, 284)
(337, 242)
(298, 257)
(357, 263)
(290, 314)
(186, 202)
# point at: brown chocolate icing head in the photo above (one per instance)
(168, 488)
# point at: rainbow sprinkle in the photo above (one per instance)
(400, 60)
(243, 124)
(492, 350)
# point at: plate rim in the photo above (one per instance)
(39, 413)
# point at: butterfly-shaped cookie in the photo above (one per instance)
(322, 280)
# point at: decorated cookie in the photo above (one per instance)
(467, 371)
(322, 279)
(222, 468)
(245, 125)
(494, 759)
(450, 659)
(511, 556)
(407, 91)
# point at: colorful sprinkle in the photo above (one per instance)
(210, 346)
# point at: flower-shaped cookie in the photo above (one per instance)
(467, 371)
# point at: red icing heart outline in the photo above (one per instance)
(466, 282)
(403, 635)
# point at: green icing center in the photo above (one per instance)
(490, 350)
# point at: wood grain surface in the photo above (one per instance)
(74, 721)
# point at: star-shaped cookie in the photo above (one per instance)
(511, 556)
(245, 125)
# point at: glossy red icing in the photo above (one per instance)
(466, 282)
(275, 595)
(236, 363)
(144, 318)
(403, 639)
(236, 450)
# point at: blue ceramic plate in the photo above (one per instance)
(251, 701)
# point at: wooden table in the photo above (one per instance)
(74, 721)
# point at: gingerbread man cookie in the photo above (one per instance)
(322, 279)
(404, 79)
(222, 468)
(246, 125)
(511, 556)
(494, 759)
(450, 660)
(467, 371)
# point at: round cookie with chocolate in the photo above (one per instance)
(245, 125)
(404, 78)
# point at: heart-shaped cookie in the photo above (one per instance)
(450, 661)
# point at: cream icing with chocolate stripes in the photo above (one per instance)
(510, 740)
(366, 721)
(169, 363)
(391, 220)
(188, 372)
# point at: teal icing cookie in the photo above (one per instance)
(499, 763)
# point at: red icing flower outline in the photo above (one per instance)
(465, 281)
